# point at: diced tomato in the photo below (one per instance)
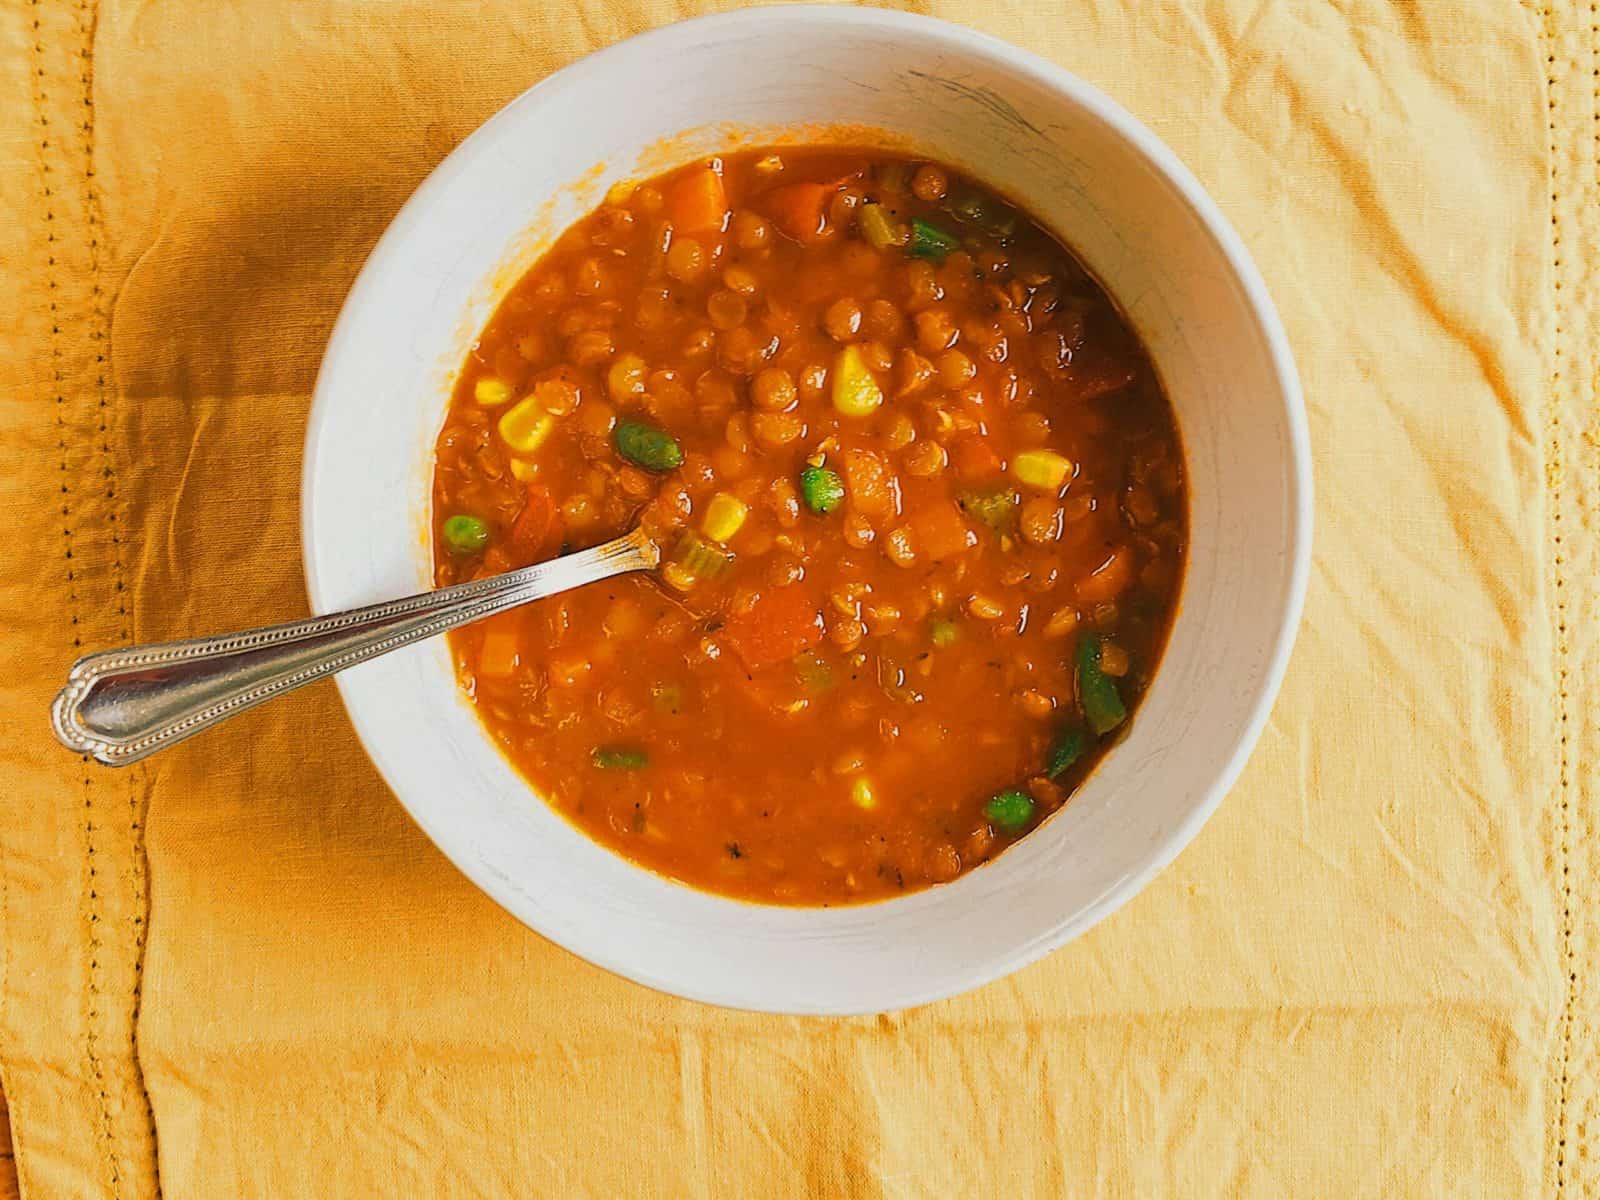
(536, 533)
(798, 208)
(698, 203)
(778, 626)
(1109, 580)
(974, 459)
(941, 532)
(871, 484)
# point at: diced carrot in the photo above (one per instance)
(1109, 580)
(797, 208)
(974, 459)
(778, 626)
(698, 202)
(536, 533)
(871, 485)
(502, 637)
(941, 533)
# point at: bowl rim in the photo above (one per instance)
(1165, 162)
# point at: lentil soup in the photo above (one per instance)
(921, 505)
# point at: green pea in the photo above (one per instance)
(944, 633)
(619, 758)
(648, 447)
(823, 489)
(1010, 810)
(465, 534)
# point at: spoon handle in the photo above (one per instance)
(121, 705)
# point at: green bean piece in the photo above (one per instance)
(1010, 811)
(823, 489)
(465, 534)
(1097, 692)
(648, 447)
(931, 242)
(1068, 749)
(619, 758)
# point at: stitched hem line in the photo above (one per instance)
(1554, 479)
(100, 335)
(58, 379)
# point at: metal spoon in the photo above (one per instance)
(121, 705)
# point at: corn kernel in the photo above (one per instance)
(491, 392)
(523, 471)
(526, 425)
(855, 392)
(861, 793)
(724, 515)
(1042, 469)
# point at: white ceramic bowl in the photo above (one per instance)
(1070, 157)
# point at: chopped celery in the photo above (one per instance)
(700, 558)
(878, 228)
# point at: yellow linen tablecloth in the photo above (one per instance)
(240, 971)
